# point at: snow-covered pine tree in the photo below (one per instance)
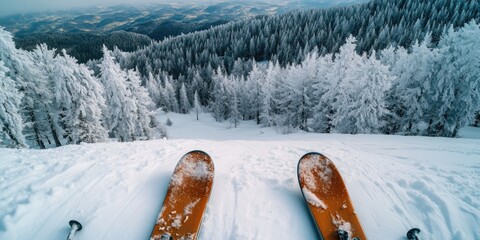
(324, 90)
(144, 105)
(235, 115)
(121, 112)
(164, 103)
(410, 98)
(303, 78)
(197, 107)
(219, 104)
(284, 118)
(197, 85)
(457, 83)
(7, 53)
(238, 68)
(45, 61)
(170, 95)
(35, 106)
(271, 75)
(79, 101)
(11, 123)
(389, 56)
(243, 96)
(369, 108)
(257, 77)
(184, 102)
(348, 68)
(294, 101)
(247, 105)
(154, 88)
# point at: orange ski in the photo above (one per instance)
(327, 198)
(186, 199)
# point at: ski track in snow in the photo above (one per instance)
(116, 189)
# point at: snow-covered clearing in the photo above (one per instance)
(116, 189)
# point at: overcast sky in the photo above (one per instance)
(8, 7)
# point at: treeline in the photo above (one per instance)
(84, 46)
(171, 28)
(48, 99)
(422, 90)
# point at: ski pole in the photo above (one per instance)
(74, 227)
(412, 234)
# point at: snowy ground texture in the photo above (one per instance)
(116, 189)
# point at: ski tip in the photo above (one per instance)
(198, 152)
(75, 223)
(308, 155)
(412, 234)
(312, 154)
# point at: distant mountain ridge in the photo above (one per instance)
(150, 18)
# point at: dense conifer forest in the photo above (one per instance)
(85, 46)
(287, 38)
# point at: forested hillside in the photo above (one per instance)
(392, 33)
(288, 37)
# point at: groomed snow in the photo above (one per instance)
(116, 189)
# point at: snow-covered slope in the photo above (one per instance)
(116, 189)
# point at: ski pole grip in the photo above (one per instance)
(74, 227)
(412, 234)
(75, 223)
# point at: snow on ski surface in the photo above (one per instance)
(196, 169)
(313, 199)
(116, 189)
(312, 162)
